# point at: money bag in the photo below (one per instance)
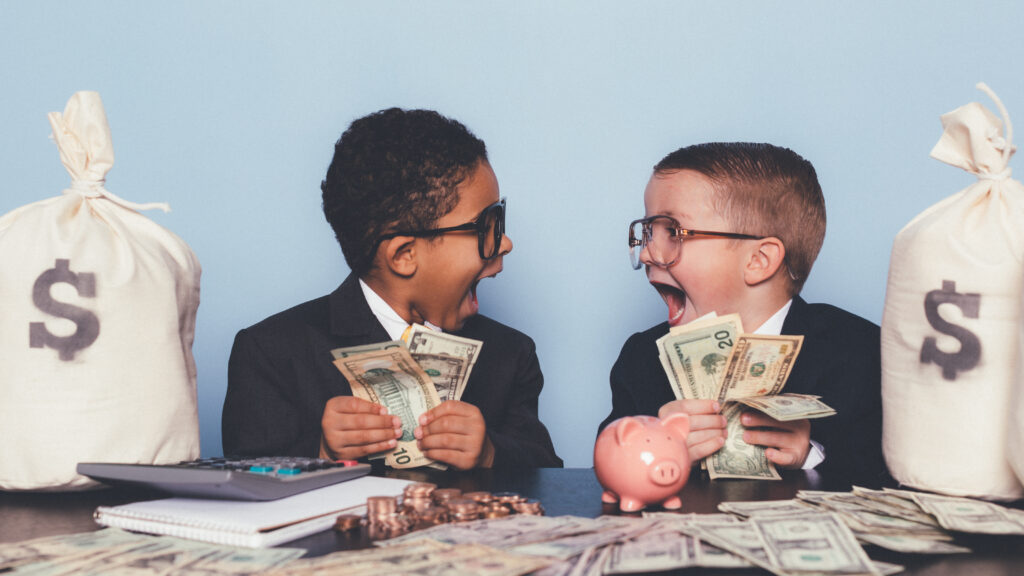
(951, 325)
(97, 318)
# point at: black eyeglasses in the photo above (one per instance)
(663, 237)
(489, 227)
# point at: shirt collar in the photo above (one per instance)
(773, 325)
(392, 322)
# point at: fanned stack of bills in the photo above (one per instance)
(113, 551)
(409, 377)
(816, 533)
(712, 358)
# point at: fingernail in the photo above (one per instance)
(392, 443)
(418, 433)
(715, 406)
(423, 419)
(398, 432)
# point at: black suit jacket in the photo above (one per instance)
(281, 375)
(840, 360)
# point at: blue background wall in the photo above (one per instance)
(229, 111)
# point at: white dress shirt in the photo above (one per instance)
(393, 324)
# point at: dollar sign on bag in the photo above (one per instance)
(970, 347)
(87, 324)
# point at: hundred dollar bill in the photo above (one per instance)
(736, 458)
(375, 347)
(694, 359)
(394, 380)
(759, 365)
(785, 407)
(424, 341)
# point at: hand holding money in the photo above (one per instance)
(414, 379)
(455, 433)
(354, 427)
(712, 358)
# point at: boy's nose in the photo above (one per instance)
(506, 245)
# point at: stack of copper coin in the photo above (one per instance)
(528, 507)
(348, 522)
(424, 505)
(384, 519)
(463, 509)
(495, 509)
(432, 516)
(416, 497)
(441, 496)
(508, 498)
(482, 498)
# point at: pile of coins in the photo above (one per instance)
(424, 505)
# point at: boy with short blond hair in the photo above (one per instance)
(735, 228)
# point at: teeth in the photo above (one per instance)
(678, 315)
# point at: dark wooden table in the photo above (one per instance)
(561, 491)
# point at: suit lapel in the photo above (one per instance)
(809, 365)
(352, 321)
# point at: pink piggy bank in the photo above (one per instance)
(641, 460)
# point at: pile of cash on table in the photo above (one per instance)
(818, 532)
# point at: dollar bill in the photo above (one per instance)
(338, 353)
(812, 542)
(759, 365)
(446, 372)
(394, 380)
(967, 515)
(695, 359)
(786, 407)
(736, 458)
(912, 545)
(738, 538)
(655, 551)
(765, 507)
(112, 551)
(424, 341)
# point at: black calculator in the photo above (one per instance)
(267, 478)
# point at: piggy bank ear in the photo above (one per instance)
(627, 427)
(678, 422)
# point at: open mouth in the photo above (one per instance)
(675, 299)
(472, 289)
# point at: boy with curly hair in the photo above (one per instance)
(414, 204)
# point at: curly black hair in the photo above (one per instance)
(395, 170)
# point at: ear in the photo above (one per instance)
(627, 427)
(399, 255)
(764, 261)
(677, 422)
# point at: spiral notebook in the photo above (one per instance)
(249, 524)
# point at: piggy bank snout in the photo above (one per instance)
(666, 472)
